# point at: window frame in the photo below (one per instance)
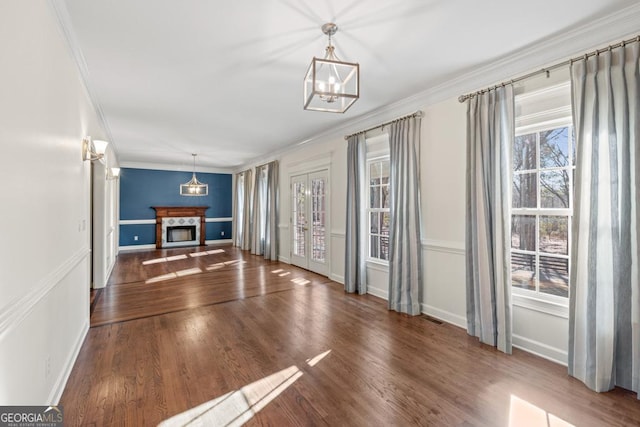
(375, 158)
(538, 211)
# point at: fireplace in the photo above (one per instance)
(180, 226)
(181, 233)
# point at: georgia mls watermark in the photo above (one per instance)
(31, 416)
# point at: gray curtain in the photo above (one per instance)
(490, 134)
(604, 301)
(405, 254)
(258, 212)
(355, 275)
(242, 215)
(271, 221)
(264, 227)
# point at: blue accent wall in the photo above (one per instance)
(142, 188)
(146, 234)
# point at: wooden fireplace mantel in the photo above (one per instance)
(178, 211)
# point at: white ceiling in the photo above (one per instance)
(224, 78)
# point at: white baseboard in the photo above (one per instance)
(218, 242)
(380, 293)
(135, 247)
(337, 278)
(61, 381)
(540, 349)
(444, 315)
(284, 259)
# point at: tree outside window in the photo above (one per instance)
(378, 209)
(543, 163)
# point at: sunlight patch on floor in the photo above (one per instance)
(161, 278)
(314, 360)
(278, 271)
(300, 281)
(216, 266)
(164, 259)
(525, 414)
(173, 275)
(197, 254)
(284, 274)
(219, 265)
(183, 256)
(154, 261)
(188, 272)
(176, 257)
(237, 407)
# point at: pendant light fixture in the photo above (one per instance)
(330, 84)
(194, 187)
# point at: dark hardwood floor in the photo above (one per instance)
(247, 340)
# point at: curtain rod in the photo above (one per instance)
(263, 165)
(546, 70)
(416, 114)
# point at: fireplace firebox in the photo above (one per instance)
(181, 233)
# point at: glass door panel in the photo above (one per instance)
(309, 221)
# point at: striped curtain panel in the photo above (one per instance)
(271, 220)
(490, 135)
(242, 210)
(604, 290)
(405, 254)
(355, 274)
(258, 212)
(264, 228)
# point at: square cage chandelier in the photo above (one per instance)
(330, 84)
(194, 187)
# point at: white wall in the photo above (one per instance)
(442, 176)
(44, 287)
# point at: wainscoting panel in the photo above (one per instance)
(42, 333)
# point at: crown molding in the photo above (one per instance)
(556, 48)
(64, 23)
(551, 50)
(177, 168)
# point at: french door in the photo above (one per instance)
(309, 221)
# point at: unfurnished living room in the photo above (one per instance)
(295, 212)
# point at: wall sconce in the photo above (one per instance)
(93, 150)
(113, 173)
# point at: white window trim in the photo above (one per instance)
(375, 157)
(534, 299)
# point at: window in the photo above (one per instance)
(378, 208)
(543, 163)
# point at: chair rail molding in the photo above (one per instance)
(17, 310)
(445, 246)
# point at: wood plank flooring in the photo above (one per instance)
(251, 345)
(155, 282)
